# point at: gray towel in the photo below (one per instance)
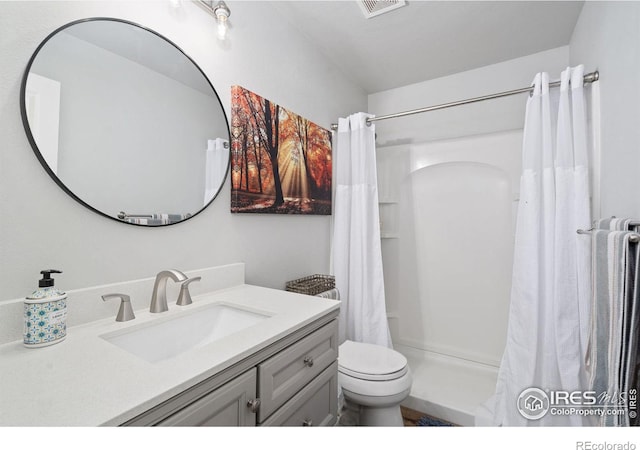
(612, 348)
(598, 355)
(619, 224)
(629, 379)
(604, 224)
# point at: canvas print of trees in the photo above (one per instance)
(280, 161)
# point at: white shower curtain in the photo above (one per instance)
(216, 164)
(357, 256)
(550, 294)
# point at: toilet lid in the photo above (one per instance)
(370, 362)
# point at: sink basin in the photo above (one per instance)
(162, 340)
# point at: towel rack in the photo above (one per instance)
(635, 238)
(633, 223)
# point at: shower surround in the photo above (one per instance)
(448, 216)
(448, 183)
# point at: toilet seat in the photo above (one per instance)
(391, 389)
(373, 377)
(371, 362)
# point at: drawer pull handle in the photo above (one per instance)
(253, 405)
(308, 361)
(307, 423)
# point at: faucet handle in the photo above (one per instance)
(185, 296)
(125, 312)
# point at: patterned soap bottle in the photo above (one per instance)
(45, 314)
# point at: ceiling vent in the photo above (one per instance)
(372, 8)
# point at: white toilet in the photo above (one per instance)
(376, 379)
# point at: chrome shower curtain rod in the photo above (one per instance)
(588, 78)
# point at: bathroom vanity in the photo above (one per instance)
(266, 358)
(292, 382)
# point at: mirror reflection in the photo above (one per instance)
(125, 122)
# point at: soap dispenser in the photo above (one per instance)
(45, 313)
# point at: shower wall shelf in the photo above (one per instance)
(388, 219)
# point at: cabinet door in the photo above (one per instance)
(224, 407)
(315, 405)
(284, 374)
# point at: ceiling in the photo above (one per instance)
(429, 39)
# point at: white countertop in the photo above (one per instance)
(87, 381)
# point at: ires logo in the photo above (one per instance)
(575, 398)
(534, 403)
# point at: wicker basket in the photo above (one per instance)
(312, 285)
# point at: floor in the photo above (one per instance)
(411, 417)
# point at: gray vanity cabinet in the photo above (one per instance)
(292, 382)
(224, 407)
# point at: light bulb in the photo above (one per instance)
(222, 13)
(223, 27)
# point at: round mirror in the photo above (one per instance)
(125, 122)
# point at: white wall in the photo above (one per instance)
(450, 183)
(607, 38)
(41, 227)
(479, 118)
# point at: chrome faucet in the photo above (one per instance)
(159, 297)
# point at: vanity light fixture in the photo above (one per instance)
(221, 12)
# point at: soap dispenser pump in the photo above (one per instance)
(45, 313)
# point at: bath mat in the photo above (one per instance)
(426, 421)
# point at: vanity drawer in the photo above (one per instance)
(315, 405)
(283, 375)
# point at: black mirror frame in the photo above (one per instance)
(43, 162)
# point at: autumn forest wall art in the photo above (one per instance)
(280, 161)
